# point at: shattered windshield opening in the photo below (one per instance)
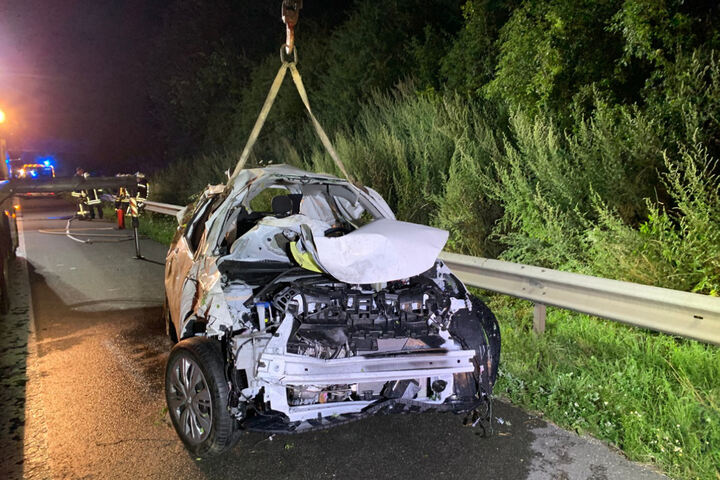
(273, 224)
(262, 202)
(327, 209)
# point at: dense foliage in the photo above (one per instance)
(574, 134)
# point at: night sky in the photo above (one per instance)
(72, 79)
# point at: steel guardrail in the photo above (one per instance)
(685, 314)
(66, 184)
(164, 208)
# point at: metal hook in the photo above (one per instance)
(290, 16)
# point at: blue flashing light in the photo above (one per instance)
(47, 160)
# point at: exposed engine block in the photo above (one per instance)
(336, 320)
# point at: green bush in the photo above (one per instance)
(184, 180)
(378, 46)
(465, 207)
(549, 51)
(399, 147)
(546, 182)
(676, 247)
(470, 62)
(686, 99)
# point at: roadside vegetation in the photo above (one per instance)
(653, 396)
(160, 228)
(581, 136)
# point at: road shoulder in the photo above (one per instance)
(23, 432)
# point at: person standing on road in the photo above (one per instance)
(143, 190)
(87, 198)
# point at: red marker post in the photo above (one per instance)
(120, 218)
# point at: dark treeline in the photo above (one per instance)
(574, 134)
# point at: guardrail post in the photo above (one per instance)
(539, 314)
(136, 236)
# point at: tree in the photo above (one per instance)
(551, 50)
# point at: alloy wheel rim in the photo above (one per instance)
(189, 400)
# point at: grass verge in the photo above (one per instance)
(654, 396)
(158, 227)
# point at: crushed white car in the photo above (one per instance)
(300, 303)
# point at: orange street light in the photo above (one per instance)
(2, 116)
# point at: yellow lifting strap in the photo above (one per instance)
(274, 88)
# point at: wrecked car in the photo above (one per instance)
(299, 302)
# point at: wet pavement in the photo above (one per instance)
(86, 390)
(22, 425)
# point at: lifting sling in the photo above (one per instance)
(274, 88)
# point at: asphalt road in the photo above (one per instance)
(90, 369)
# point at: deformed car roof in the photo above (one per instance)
(280, 170)
(381, 251)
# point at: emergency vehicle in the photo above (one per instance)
(35, 171)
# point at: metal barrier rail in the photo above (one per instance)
(164, 208)
(65, 184)
(679, 313)
(686, 314)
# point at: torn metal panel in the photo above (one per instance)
(178, 263)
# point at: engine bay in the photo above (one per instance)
(308, 346)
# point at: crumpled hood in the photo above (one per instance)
(381, 251)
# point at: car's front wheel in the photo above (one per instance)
(197, 391)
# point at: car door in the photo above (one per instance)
(178, 282)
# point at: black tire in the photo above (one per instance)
(205, 354)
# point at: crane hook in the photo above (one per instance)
(290, 16)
